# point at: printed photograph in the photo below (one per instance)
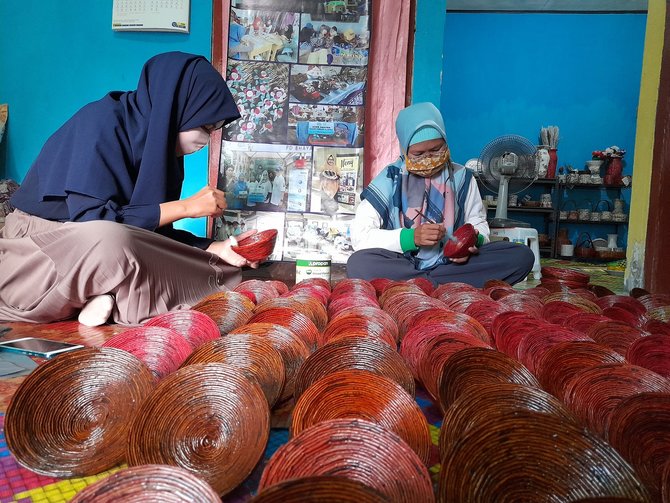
(310, 232)
(342, 43)
(328, 85)
(326, 125)
(260, 91)
(337, 181)
(263, 35)
(262, 177)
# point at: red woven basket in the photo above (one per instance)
(307, 305)
(161, 349)
(615, 334)
(494, 399)
(294, 320)
(355, 449)
(372, 321)
(344, 303)
(258, 290)
(460, 322)
(567, 359)
(258, 246)
(471, 367)
(354, 353)
(195, 326)
(651, 352)
(363, 394)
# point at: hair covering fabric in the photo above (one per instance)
(115, 158)
(425, 133)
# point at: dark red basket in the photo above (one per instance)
(594, 393)
(535, 344)
(168, 484)
(258, 246)
(354, 449)
(651, 352)
(509, 328)
(629, 303)
(313, 289)
(376, 323)
(581, 322)
(640, 430)
(365, 395)
(317, 489)
(307, 305)
(495, 399)
(460, 321)
(344, 303)
(523, 302)
(405, 308)
(617, 335)
(566, 360)
(353, 286)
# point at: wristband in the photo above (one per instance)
(407, 240)
(480, 240)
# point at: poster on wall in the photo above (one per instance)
(297, 70)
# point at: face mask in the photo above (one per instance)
(191, 141)
(427, 166)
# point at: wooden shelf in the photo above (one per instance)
(595, 222)
(525, 209)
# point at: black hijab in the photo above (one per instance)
(117, 155)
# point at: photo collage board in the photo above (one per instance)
(297, 70)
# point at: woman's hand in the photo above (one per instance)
(207, 202)
(428, 234)
(223, 249)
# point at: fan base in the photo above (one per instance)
(506, 223)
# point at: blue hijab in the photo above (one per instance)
(115, 158)
(385, 191)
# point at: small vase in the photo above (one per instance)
(594, 166)
(553, 162)
(614, 170)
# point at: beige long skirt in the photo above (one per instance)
(49, 270)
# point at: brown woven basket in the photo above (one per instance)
(354, 449)
(319, 489)
(471, 367)
(363, 394)
(207, 418)
(255, 356)
(354, 353)
(536, 457)
(306, 304)
(292, 348)
(71, 416)
(484, 401)
(167, 484)
(228, 309)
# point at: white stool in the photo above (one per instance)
(523, 235)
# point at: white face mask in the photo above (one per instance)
(191, 141)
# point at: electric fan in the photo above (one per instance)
(507, 158)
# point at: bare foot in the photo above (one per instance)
(96, 311)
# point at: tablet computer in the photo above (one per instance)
(33, 346)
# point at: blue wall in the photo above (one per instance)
(58, 55)
(514, 73)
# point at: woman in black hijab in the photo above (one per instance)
(119, 160)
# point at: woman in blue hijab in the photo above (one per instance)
(92, 227)
(411, 207)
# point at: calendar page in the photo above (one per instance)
(151, 15)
